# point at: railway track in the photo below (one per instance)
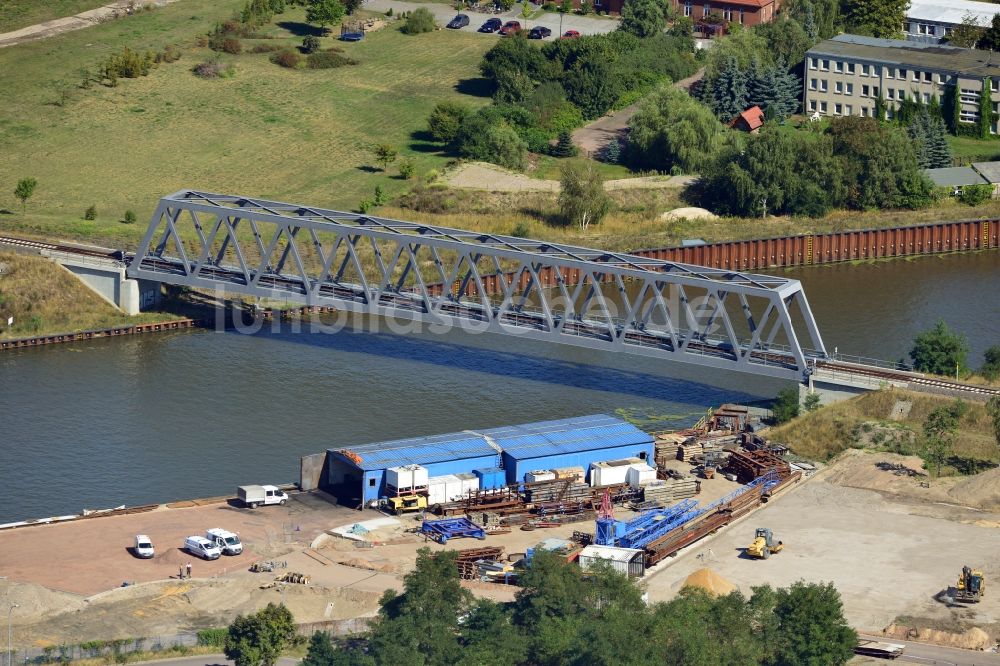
(911, 378)
(69, 248)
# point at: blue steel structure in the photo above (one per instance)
(452, 528)
(652, 525)
(493, 454)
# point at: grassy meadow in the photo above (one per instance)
(17, 14)
(45, 298)
(298, 135)
(822, 434)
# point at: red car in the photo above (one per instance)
(571, 34)
(510, 28)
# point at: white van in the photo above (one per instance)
(202, 547)
(227, 542)
(143, 547)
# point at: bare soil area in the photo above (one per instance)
(888, 556)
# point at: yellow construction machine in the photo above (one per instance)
(971, 586)
(764, 544)
(404, 504)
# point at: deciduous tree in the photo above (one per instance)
(24, 190)
(672, 129)
(811, 626)
(940, 428)
(991, 363)
(939, 351)
(320, 651)
(967, 33)
(446, 119)
(786, 405)
(643, 18)
(990, 40)
(324, 12)
(877, 18)
(385, 154)
(582, 200)
(258, 639)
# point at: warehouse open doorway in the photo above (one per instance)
(345, 482)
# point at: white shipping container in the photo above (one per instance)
(539, 475)
(419, 476)
(470, 483)
(442, 489)
(639, 475)
(628, 561)
(399, 477)
(611, 472)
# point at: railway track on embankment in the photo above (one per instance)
(914, 380)
(69, 248)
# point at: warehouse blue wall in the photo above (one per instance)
(516, 469)
(374, 480)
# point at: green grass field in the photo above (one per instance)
(298, 135)
(16, 14)
(968, 149)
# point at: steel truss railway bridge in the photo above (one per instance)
(480, 282)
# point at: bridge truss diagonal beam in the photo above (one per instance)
(481, 282)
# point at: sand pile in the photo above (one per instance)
(688, 213)
(709, 581)
(981, 490)
(35, 601)
(972, 639)
(359, 563)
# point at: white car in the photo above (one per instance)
(227, 542)
(143, 547)
(202, 547)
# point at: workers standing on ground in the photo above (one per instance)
(189, 570)
(180, 572)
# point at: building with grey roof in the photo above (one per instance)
(955, 177)
(933, 20)
(844, 76)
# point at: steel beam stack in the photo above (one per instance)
(751, 465)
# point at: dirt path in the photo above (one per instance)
(85, 19)
(593, 137)
(482, 176)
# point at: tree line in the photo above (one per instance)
(564, 616)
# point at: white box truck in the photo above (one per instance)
(254, 496)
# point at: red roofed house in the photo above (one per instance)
(750, 120)
(744, 12)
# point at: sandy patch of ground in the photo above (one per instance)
(886, 557)
(482, 176)
(688, 213)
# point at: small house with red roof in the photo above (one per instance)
(750, 120)
(707, 13)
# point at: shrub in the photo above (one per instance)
(265, 48)
(520, 230)
(212, 69)
(129, 218)
(365, 205)
(310, 44)
(170, 53)
(406, 169)
(90, 213)
(127, 64)
(329, 59)
(213, 637)
(232, 45)
(786, 405)
(445, 120)
(287, 58)
(420, 20)
(974, 195)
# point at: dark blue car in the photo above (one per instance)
(491, 25)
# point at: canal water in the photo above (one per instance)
(192, 414)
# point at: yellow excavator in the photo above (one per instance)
(764, 544)
(971, 586)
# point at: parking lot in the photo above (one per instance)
(585, 25)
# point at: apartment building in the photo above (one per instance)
(843, 76)
(932, 21)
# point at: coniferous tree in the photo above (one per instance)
(809, 20)
(729, 91)
(775, 88)
(928, 133)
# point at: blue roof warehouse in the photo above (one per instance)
(358, 473)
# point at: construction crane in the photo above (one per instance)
(971, 586)
(764, 544)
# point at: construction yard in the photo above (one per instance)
(889, 540)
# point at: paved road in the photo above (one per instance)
(211, 660)
(68, 23)
(585, 25)
(936, 655)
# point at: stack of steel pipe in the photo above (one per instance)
(467, 560)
